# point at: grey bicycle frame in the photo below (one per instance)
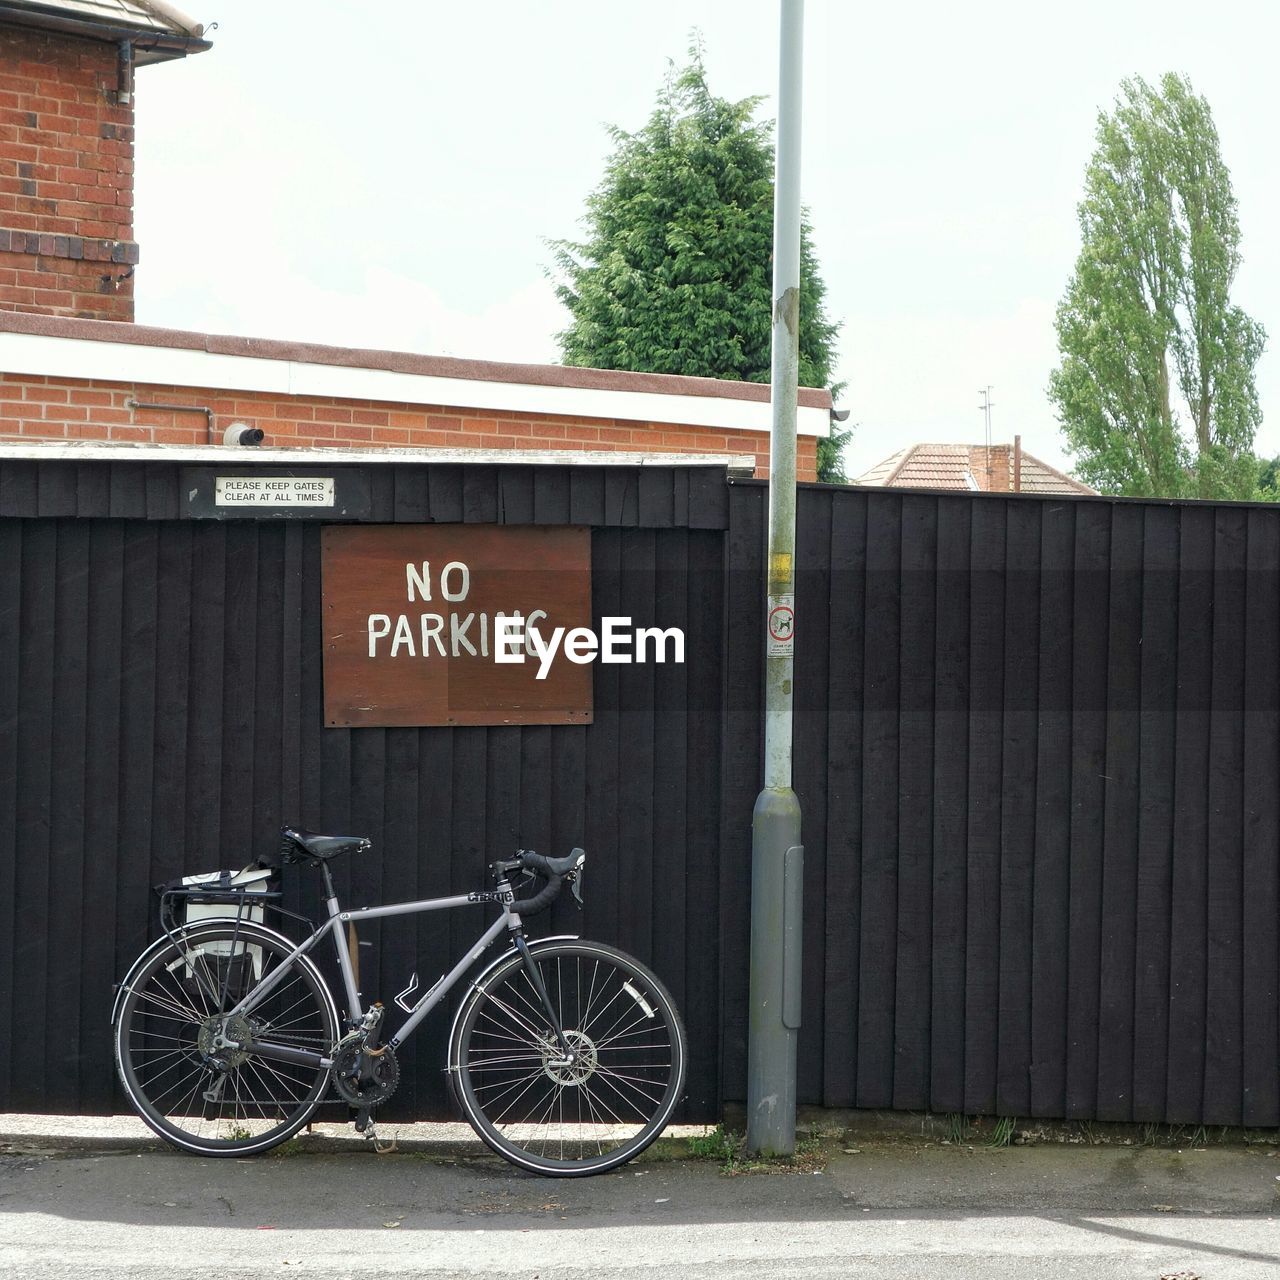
(509, 920)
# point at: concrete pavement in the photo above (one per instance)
(93, 1204)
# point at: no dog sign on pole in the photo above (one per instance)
(782, 626)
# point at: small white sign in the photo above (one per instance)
(273, 491)
(782, 626)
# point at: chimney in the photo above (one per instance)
(66, 158)
(989, 466)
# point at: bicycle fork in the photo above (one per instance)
(553, 1016)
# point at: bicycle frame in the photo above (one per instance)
(509, 920)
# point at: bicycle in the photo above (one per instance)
(566, 1056)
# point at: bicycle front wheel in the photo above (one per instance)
(208, 1099)
(541, 1109)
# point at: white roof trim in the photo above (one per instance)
(60, 357)
(240, 456)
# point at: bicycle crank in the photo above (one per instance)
(365, 1077)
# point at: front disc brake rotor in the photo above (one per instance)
(583, 1066)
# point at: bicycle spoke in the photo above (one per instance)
(175, 1010)
(169, 1013)
(597, 1106)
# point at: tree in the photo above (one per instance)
(1268, 479)
(1156, 386)
(675, 273)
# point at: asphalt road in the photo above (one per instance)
(110, 1207)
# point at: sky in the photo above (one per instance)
(388, 175)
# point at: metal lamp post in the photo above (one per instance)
(777, 858)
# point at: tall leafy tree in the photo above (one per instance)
(1156, 387)
(1268, 480)
(675, 272)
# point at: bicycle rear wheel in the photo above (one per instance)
(562, 1118)
(212, 1101)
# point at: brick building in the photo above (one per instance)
(66, 146)
(75, 367)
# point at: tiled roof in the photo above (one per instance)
(963, 466)
(880, 473)
(1040, 477)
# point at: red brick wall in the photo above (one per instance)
(991, 468)
(66, 179)
(34, 408)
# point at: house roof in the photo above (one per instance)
(741, 465)
(58, 346)
(1040, 477)
(970, 467)
(155, 28)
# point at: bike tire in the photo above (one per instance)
(167, 1001)
(507, 1069)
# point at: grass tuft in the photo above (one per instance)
(1002, 1134)
(717, 1145)
(726, 1149)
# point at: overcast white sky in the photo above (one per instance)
(384, 175)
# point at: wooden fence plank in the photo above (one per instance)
(604, 736)
(982, 894)
(33, 813)
(1224, 1025)
(1120, 819)
(12, 622)
(704, 609)
(1021, 725)
(914, 963)
(950, 806)
(71, 915)
(845, 639)
(1052, 870)
(1185, 1091)
(812, 698)
(669, 804)
(103, 962)
(1092, 590)
(636, 765)
(740, 769)
(880, 785)
(1261, 805)
(1156, 833)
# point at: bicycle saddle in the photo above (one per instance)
(295, 845)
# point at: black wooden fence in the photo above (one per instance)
(1037, 749)
(160, 713)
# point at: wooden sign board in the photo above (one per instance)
(411, 617)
